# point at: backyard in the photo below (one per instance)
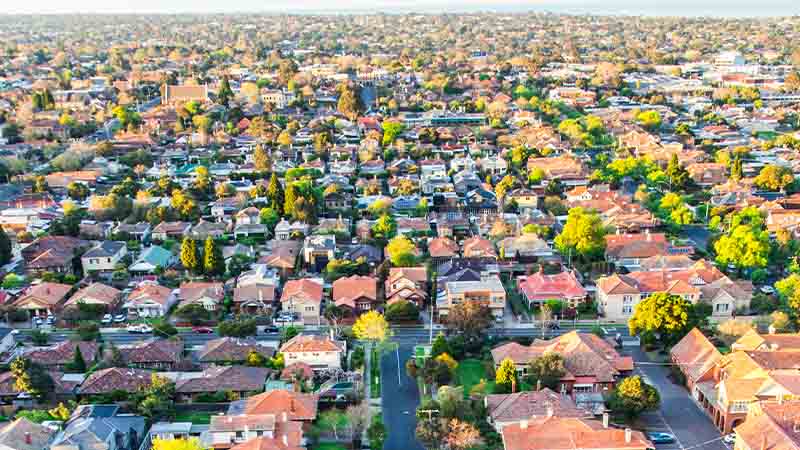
(196, 417)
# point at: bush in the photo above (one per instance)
(238, 328)
(193, 313)
(164, 328)
(402, 311)
(89, 331)
(39, 337)
(357, 359)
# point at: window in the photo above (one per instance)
(627, 299)
(739, 406)
(627, 309)
(722, 307)
(309, 308)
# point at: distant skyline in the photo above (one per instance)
(725, 8)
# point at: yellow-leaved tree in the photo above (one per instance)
(371, 326)
(177, 444)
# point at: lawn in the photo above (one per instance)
(196, 417)
(375, 374)
(469, 373)
(329, 446)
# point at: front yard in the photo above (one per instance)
(469, 373)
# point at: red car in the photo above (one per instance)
(202, 330)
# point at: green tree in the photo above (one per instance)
(157, 400)
(255, 359)
(391, 130)
(349, 104)
(78, 364)
(384, 228)
(677, 175)
(5, 248)
(290, 199)
(632, 396)
(275, 194)
(440, 346)
(213, 261)
(746, 244)
(650, 119)
(506, 376)
(177, 444)
(238, 328)
(189, 257)
(401, 251)
(547, 370)
(661, 314)
(77, 191)
(583, 234)
(225, 93)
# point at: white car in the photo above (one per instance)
(769, 290)
(141, 329)
(119, 318)
(106, 319)
(729, 438)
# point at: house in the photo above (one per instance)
(239, 381)
(488, 291)
(150, 299)
(478, 247)
(570, 433)
(95, 294)
(100, 427)
(151, 259)
(7, 340)
(304, 297)
(178, 94)
(565, 168)
(228, 350)
(319, 352)
(103, 257)
(106, 381)
(204, 229)
(592, 364)
(507, 409)
(695, 356)
(205, 293)
(253, 298)
(318, 250)
(22, 434)
(153, 353)
(629, 250)
(769, 424)
(524, 246)
(407, 283)
(171, 230)
(255, 432)
(281, 256)
(356, 293)
(137, 231)
(57, 356)
(708, 174)
(53, 254)
(442, 249)
(248, 216)
(287, 405)
(618, 295)
(537, 288)
(43, 299)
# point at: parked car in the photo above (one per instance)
(729, 438)
(769, 290)
(202, 330)
(660, 438)
(107, 319)
(140, 329)
(119, 318)
(51, 320)
(271, 329)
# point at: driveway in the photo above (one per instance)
(399, 400)
(678, 415)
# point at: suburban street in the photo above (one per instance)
(678, 415)
(400, 398)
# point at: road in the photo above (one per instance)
(699, 235)
(399, 398)
(678, 415)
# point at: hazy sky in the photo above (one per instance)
(652, 7)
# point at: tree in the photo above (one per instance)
(333, 420)
(547, 371)
(261, 159)
(440, 346)
(78, 364)
(255, 359)
(632, 396)
(583, 234)
(774, 178)
(238, 328)
(5, 248)
(177, 444)
(471, 319)
(225, 93)
(30, 377)
(349, 104)
(189, 257)
(290, 199)
(461, 435)
(40, 185)
(401, 251)
(194, 313)
(650, 119)
(430, 431)
(391, 130)
(371, 326)
(213, 261)
(384, 228)
(60, 412)
(746, 244)
(358, 420)
(77, 191)
(88, 331)
(402, 311)
(661, 313)
(376, 433)
(678, 176)
(505, 377)
(157, 400)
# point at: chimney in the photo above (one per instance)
(28, 439)
(285, 417)
(285, 440)
(605, 420)
(538, 385)
(523, 424)
(628, 435)
(647, 233)
(260, 295)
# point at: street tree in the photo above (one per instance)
(371, 326)
(632, 396)
(661, 314)
(583, 234)
(746, 244)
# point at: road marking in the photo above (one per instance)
(397, 352)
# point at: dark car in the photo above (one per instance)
(271, 329)
(202, 330)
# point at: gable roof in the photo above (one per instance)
(302, 290)
(311, 343)
(297, 406)
(230, 349)
(530, 405)
(695, 354)
(349, 289)
(114, 378)
(557, 433)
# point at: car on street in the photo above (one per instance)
(657, 437)
(202, 330)
(140, 329)
(769, 290)
(729, 438)
(38, 321)
(106, 320)
(271, 329)
(119, 318)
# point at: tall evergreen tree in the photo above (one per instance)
(5, 247)
(189, 257)
(213, 262)
(78, 364)
(290, 199)
(736, 169)
(225, 93)
(261, 158)
(275, 194)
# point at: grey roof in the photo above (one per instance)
(104, 249)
